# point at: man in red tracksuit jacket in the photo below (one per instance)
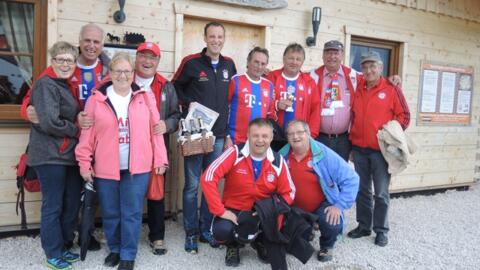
(252, 172)
(376, 102)
(296, 94)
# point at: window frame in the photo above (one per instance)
(11, 112)
(394, 47)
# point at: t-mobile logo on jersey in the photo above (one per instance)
(123, 131)
(249, 100)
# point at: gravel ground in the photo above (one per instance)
(427, 232)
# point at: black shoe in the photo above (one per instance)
(112, 259)
(381, 239)
(94, 245)
(357, 233)
(232, 257)
(325, 255)
(261, 251)
(126, 265)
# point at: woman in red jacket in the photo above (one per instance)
(118, 152)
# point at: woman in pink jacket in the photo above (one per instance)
(118, 152)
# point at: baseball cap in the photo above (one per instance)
(149, 46)
(370, 56)
(333, 45)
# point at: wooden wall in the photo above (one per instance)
(437, 30)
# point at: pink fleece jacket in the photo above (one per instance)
(97, 150)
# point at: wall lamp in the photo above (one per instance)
(119, 15)
(316, 18)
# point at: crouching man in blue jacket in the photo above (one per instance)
(326, 184)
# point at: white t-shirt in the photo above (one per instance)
(120, 104)
(144, 83)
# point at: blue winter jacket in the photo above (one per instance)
(338, 180)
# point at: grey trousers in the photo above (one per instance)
(372, 167)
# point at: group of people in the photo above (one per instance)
(281, 133)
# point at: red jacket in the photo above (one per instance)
(240, 190)
(352, 76)
(307, 103)
(373, 108)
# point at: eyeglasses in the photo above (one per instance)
(148, 57)
(61, 61)
(120, 72)
(298, 133)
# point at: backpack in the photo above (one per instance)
(26, 180)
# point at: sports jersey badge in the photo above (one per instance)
(225, 74)
(270, 177)
(88, 76)
(265, 93)
(300, 87)
(382, 95)
(245, 90)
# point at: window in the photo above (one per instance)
(22, 51)
(388, 50)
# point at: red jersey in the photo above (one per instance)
(241, 190)
(306, 103)
(248, 100)
(373, 108)
(309, 193)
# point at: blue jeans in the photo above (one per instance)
(328, 232)
(61, 186)
(194, 166)
(372, 167)
(122, 209)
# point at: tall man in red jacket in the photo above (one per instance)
(377, 102)
(252, 172)
(296, 94)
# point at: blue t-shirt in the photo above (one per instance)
(257, 167)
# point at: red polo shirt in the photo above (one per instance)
(309, 193)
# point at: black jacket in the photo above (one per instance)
(295, 226)
(196, 80)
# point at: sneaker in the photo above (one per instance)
(58, 264)
(232, 257)
(207, 237)
(158, 247)
(191, 244)
(70, 256)
(358, 232)
(381, 239)
(112, 259)
(325, 255)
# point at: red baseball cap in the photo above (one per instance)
(149, 46)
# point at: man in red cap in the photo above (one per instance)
(147, 77)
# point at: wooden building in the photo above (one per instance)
(438, 36)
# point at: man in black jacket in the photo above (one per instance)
(204, 78)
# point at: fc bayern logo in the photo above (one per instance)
(381, 95)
